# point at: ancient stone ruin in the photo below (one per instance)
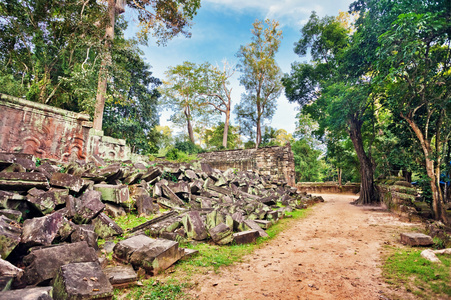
(53, 214)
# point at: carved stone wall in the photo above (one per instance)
(328, 188)
(49, 132)
(276, 161)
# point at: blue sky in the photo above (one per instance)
(221, 26)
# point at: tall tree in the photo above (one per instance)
(214, 86)
(46, 43)
(181, 94)
(415, 64)
(164, 19)
(335, 91)
(261, 77)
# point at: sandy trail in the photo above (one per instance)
(332, 254)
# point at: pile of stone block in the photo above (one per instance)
(52, 214)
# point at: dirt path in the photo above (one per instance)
(332, 254)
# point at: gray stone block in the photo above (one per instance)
(416, 239)
(81, 281)
(37, 293)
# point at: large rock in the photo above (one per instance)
(416, 239)
(19, 181)
(105, 227)
(42, 231)
(154, 255)
(245, 237)
(255, 226)
(85, 233)
(68, 181)
(7, 269)
(194, 226)
(37, 293)
(118, 194)
(10, 233)
(221, 234)
(172, 200)
(122, 275)
(157, 256)
(81, 281)
(88, 207)
(146, 206)
(42, 264)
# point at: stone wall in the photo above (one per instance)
(328, 188)
(49, 132)
(276, 161)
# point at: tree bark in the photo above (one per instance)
(368, 191)
(432, 171)
(226, 128)
(188, 124)
(103, 73)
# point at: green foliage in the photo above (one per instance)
(214, 137)
(417, 275)
(44, 43)
(260, 77)
(187, 147)
(131, 113)
(308, 165)
(180, 93)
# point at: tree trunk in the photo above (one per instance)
(188, 124)
(368, 191)
(226, 128)
(433, 172)
(339, 177)
(103, 73)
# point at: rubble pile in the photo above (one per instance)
(52, 215)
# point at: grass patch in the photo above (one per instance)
(210, 258)
(406, 268)
(153, 290)
(131, 220)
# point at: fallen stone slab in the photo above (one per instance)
(43, 230)
(11, 214)
(172, 200)
(416, 239)
(42, 201)
(121, 276)
(114, 210)
(68, 181)
(188, 253)
(156, 256)
(81, 281)
(221, 234)
(264, 224)
(153, 255)
(146, 205)
(37, 293)
(105, 227)
(124, 249)
(42, 264)
(194, 226)
(151, 174)
(85, 233)
(254, 226)
(88, 207)
(8, 270)
(245, 237)
(118, 194)
(19, 181)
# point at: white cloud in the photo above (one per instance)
(289, 12)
